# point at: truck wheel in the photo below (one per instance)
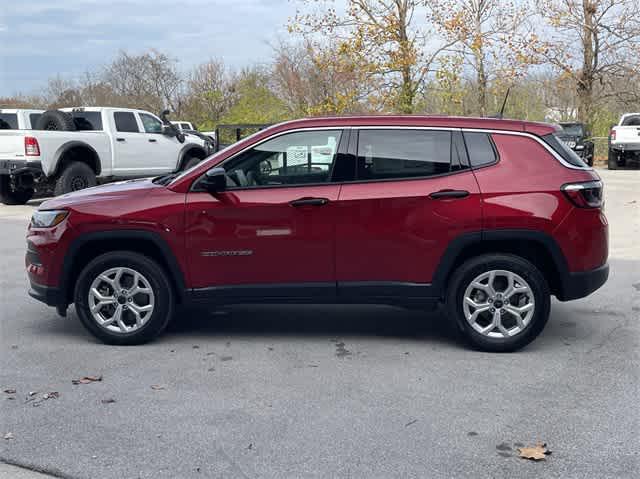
(612, 160)
(9, 196)
(124, 298)
(191, 161)
(75, 176)
(55, 120)
(500, 302)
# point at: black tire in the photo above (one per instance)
(191, 161)
(74, 176)
(55, 120)
(612, 160)
(9, 196)
(469, 271)
(160, 285)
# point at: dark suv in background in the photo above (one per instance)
(578, 138)
(490, 217)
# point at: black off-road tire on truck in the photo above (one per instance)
(612, 160)
(10, 196)
(55, 120)
(73, 177)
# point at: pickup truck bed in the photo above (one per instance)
(624, 141)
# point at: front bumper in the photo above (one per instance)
(581, 284)
(18, 167)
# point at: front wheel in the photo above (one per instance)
(124, 298)
(11, 196)
(500, 302)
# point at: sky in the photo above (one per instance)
(40, 39)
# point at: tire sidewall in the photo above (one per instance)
(163, 295)
(71, 171)
(527, 271)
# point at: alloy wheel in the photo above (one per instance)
(498, 304)
(121, 300)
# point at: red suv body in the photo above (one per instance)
(489, 216)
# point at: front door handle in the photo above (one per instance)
(309, 202)
(120, 139)
(446, 194)
(152, 140)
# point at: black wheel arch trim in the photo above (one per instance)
(59, 155)
(176, 275)
(460, 243)
(188, 149)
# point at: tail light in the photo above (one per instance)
(31, 147)
(612, 135)
(585, 195)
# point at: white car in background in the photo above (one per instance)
(75, 148)
(19, 118)
(624, 141)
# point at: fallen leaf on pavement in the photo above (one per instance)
(158, 387)
(10, 391)
(32, 393)
(108, 401)
(86, 380)
(539, 452)
(8, 436)
(51, 395)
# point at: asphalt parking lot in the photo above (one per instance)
(326, 391)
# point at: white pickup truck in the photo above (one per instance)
(19, 118)
(75, 148)
(624, 141)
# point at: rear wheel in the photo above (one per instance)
(500, 302)
(75, 176)
(124, 298)
(612, 160)
(11, 196)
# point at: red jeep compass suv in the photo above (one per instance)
(490, 217)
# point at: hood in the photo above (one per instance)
(107, 192)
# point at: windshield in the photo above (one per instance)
(572, 130)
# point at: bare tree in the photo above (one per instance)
(593, 42)
(209, 93)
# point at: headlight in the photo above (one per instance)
(48, 218)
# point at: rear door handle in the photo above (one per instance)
(120, 139)
(445, 194)
(309, 202)
(152, 140)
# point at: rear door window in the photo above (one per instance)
(480, 148)
(126, 122)
(399, 154)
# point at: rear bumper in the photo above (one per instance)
(625, 146)
(18, 167)
(46, 294)
(579, 285)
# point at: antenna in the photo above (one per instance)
(504, 104)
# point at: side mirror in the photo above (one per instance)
(214, 180)
(168, 131)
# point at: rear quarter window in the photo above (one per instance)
(480, 148)
(87, 120)
(561, 148)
